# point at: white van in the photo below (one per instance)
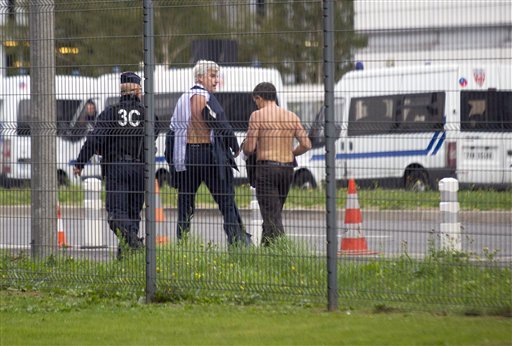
(411, 126)
(234, 93)
(72, 93)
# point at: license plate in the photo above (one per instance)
(479, 155)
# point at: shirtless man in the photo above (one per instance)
(272, 130)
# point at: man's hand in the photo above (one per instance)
(77, 171)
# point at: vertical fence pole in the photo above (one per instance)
(149, 150)
(330, 190)
(43, 129)
(449, 207)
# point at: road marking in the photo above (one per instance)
(13, 246)
(339, 236)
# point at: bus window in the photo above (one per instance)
(506, 115)
(419, 112)
(66, 112)
(238, 108)
(370, 115)
(84, 123)
(480, 111)
(164, 107)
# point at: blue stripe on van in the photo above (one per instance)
(439, 144)
(421, 152)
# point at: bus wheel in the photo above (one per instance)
(416, 179)
(304, 179)
(62, 178)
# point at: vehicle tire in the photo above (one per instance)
(416, 179)
(304, 179)
(62, 179)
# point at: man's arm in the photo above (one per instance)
(92, 144)
(197, 104)
(252, 136)
(302, 137)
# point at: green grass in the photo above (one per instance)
(33, 318)
(196, 272)
(377, 198)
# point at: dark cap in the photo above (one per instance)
(130, 77)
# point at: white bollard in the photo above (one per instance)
(93, 223)
(256, 219)
(450, 226)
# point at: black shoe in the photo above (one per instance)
(119, 254)
(135, 242)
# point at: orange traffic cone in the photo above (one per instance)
(61, 236)
(159, 211)
(353, 242)
(162, 239)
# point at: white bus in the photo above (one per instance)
(72, 93)
(411, 126)
(305, 100)
(234, 92)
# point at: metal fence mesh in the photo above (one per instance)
(418, 97)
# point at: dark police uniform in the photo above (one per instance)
(119, 137)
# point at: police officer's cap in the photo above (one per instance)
(130, 77)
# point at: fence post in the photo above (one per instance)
(93, 237)
(449, 207)
(149, 150)
(330, 151)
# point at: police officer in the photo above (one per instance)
(118, 136)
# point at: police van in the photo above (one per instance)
(412, 126)
(72, 94)
(234, 93)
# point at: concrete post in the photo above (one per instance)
(449, 207)
(256, 219)
(93, 226)
(43, 128)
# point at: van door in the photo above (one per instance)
(481, 146)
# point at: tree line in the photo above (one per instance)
(97, 37)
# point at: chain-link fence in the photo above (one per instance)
(123, 183)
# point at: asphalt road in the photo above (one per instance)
(389, 233)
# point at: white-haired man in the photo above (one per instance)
(203, 149)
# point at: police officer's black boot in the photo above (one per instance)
(123, 245)
(134, 242)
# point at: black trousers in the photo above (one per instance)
(272, 187)
(201, 167)
(125, 198)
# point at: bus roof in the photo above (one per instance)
(65, 86)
